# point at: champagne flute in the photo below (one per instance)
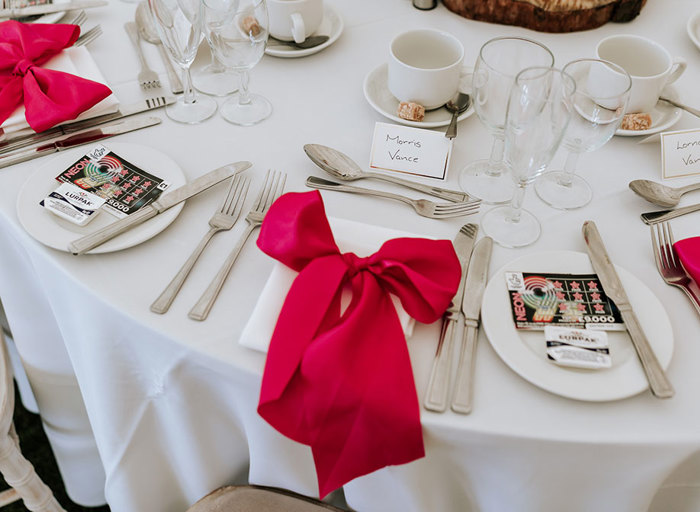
(600, 101)
(499, 60)
(539, 110)
(237, 31)
(178, 25)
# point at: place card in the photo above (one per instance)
(408, 150)
(680, 153)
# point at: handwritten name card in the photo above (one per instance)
(410, 150)
(680, 153)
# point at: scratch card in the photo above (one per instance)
(564, 300)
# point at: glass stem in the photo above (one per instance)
(243, 93)
(216, 66)
(566, 178)
(496, 158)
(189, 96)
(516, 204)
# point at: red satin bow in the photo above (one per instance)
(343, 384)
(50, 97)
(688, 251)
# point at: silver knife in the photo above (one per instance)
(651, 218)
(28, 137)
(33, 10)
(477, 276)
(84, 244)
(78, 139)
(659, 384)
(439, 384)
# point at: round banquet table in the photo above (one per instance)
(171, 402)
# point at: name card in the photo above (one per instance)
(410, 150)
(680, 153)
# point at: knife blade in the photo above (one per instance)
(88, 242)
(477, 276)
(658, 382)
(28, 137)
(651, 218)
(77, 139)
(34, 10)
(438, 385)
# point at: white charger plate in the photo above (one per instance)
(57, 233)
(380, 99)
(331, 26)
(524, 351)
(694, 29)
(663, 116)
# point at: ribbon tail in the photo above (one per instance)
(11, 94)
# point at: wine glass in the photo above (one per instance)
(499, 60)
(237, 31)
(538, 112)
(214, 79)
(600, 101)
(178, 25)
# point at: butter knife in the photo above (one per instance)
(659, 384)
(34, 10)
(477, 276)
(441, 372)
(84, 244)
(78, 139)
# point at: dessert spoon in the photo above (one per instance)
(662, 195)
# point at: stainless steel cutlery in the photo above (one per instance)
(148, 32)
(148, 79)
(650, 218)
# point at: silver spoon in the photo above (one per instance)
(662, 195)
(341, 166)
(309, 42)
(456, 105)
(147, 29)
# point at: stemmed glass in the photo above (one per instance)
(499, 60)
(215, 79)
(178, 25)
(539, 110)
(237, 32)
(600, 101)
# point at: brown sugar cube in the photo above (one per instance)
(250, 25)
(411, 111)
(641, 121)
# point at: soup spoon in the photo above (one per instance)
(662, 195)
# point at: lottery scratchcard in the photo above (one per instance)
(125, 187)
(564, 300)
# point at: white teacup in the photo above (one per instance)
(648, 63)
(424, 67)
(294, 20)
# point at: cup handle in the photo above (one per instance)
(679, 63)
(298, 28)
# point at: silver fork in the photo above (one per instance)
(78, 19)
(148, 79)
(422, 207)
(89, 36)
(269, 192)
(667, 261)
(223, 220)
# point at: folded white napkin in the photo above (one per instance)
(362, 239)
(76, 61)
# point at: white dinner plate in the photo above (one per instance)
(525, 351)
(53, 17)
(694, 29)
(57, 233)
(380, 98)
(663, 116)
(331, 26)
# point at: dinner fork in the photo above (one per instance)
(89, 36)
(269, 192)
(148, 79)
(222, 220)
(78, 19)
(422, 207)
(668, 263)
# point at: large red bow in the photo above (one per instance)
(50, 97)
(343, 384)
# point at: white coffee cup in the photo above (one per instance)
(294, 20)
(648, 63)
(424, 67)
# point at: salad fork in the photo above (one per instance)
(223, 220)
(269, 192)
(422, 207)
(89, 36)
(148, 79)
(668, 263)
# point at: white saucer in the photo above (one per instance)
(524, 351)
(57, 233)
(380, 98)
(663, 116)
(331, 26)
(694, 29)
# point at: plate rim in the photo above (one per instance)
(289, 54)
(690, 26)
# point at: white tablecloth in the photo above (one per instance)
(171, 401)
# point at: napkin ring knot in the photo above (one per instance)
(355, 263)
(22, 67)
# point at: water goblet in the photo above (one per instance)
(237, 32)
(178, 25)
(538, 112)
(499, 61)
(599, 103)
(214, 79)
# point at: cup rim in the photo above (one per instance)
(434, 31)
(616, 67)
(517, 38)
(639, 38)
